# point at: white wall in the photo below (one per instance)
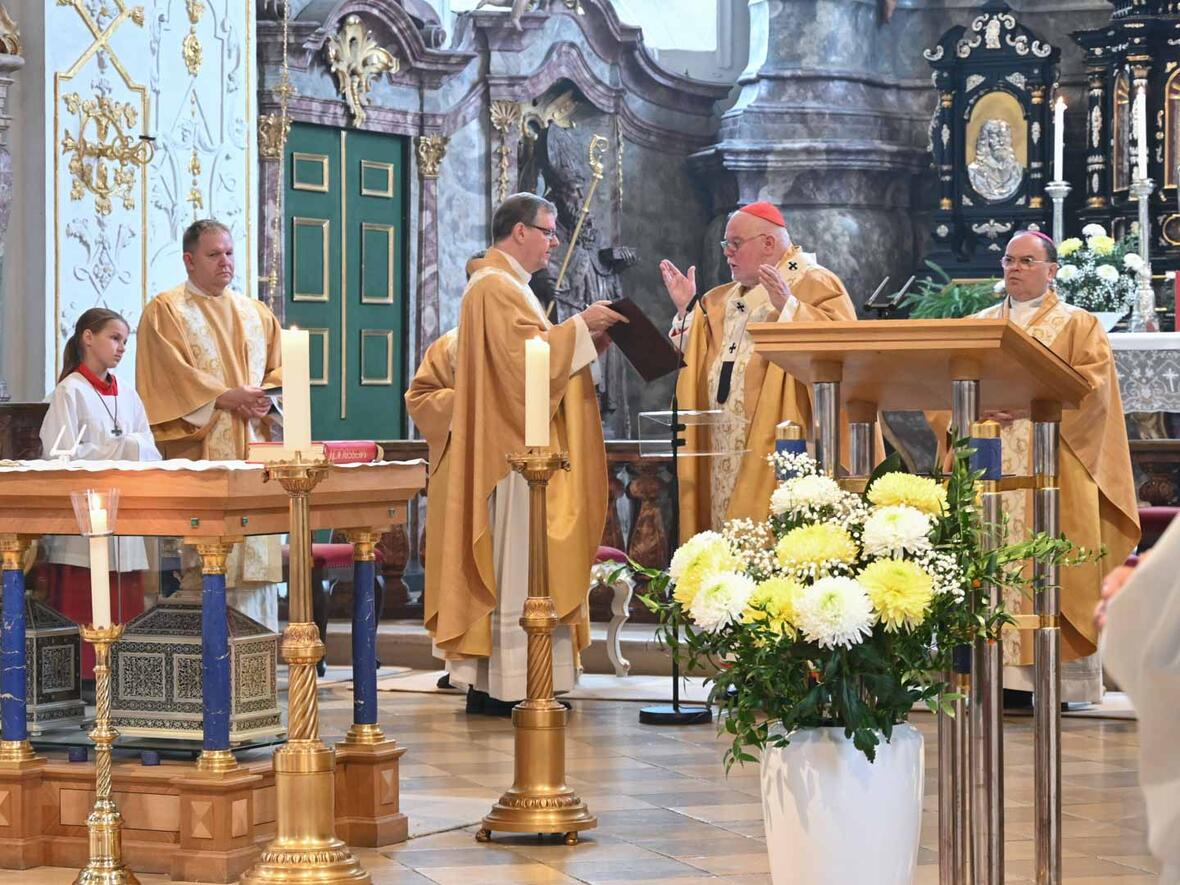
(74, 257)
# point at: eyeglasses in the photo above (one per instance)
(1024, 262)
(550, 233)
(732, 245)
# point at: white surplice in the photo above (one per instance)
(504, 673)
(75, 404)
(1141, 649)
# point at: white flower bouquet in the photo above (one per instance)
(841, 608)
(1097, 272)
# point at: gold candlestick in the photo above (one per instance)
(539, 800)
(305, 847)
(106, 865)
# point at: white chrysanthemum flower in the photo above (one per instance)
(721, 600)
(1067, 272)
(1132, 261)
(1093, 230)
(690, 550)
(1108, 273)
(896, 529)
(998, 288)
(805, 491)
(834, 612)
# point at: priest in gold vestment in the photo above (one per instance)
(204, 355)
(430, 398)
(477, 522)
(1098, 506)
(773, 281)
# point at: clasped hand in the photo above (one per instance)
(599, 317)
(246, 401)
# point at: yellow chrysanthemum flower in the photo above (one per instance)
(701, 557)
(773, 602)
(1101, 245)
(900, 591)
(1068, 247)
(919, 492)
(815, 545)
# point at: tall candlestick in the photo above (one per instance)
(536, 392)
(1141, 129)
(1059, 140)
(296, 390)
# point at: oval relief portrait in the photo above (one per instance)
(996, 146)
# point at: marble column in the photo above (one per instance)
(827, 131)
(431, 149)
(10, 63)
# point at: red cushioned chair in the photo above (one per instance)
(606, 562)
(1154, 521)
(330, 564)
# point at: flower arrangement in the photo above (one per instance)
(842, 608)
(1097, 272)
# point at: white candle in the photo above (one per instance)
(1059, 140)
(296, 390)
(100, 581)
(1141, 130)
(536, 392)
(98, 515)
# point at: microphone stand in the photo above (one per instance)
(677, 713)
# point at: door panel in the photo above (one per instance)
(345, 281)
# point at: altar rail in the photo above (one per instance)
(638, 513)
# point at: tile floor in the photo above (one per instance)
(667, 812)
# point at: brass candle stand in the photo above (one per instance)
(305, 847)
(539, 801)
(105, 824)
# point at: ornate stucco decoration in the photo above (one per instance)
(431, 150)
(9, 34)
(190, 47)
(356, 58)
(273, 130)
(505, 115)
(104, 164)
(538, 114)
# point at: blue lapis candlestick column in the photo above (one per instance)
(215, 699)
(788, 440)
(14, 722)
(365, 729)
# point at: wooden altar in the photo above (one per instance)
(206, 821)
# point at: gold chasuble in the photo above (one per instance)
(736, 486)
(430, 398)
(191, 348)
(472, 484)
(1098, 506)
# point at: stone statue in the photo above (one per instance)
(519, 7)
(593, 271)
(996, 174)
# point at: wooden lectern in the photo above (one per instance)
(202, 822)
(965, 366)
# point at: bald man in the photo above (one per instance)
(773, 281)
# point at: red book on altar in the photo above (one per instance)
(336, 451)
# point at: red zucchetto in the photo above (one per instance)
(766, 211)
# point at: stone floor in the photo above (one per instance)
(667, 812)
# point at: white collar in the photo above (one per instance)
(197, 290)
(517, 267)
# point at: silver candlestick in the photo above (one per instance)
(1143, 317)
(1058, 191)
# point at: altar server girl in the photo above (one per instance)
(101, 420)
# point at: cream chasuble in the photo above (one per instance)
(1141, 648)
(1098, 505)
(73, 404)
(733, 486)
(193, 347)
(477, 522)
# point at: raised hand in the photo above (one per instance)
(681, 288)
(774, 284)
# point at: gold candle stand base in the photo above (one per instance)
(539, 800)
(105, 824)
(305, 848)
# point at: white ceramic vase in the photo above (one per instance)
(832, 817)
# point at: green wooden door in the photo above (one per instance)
(345, 279)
